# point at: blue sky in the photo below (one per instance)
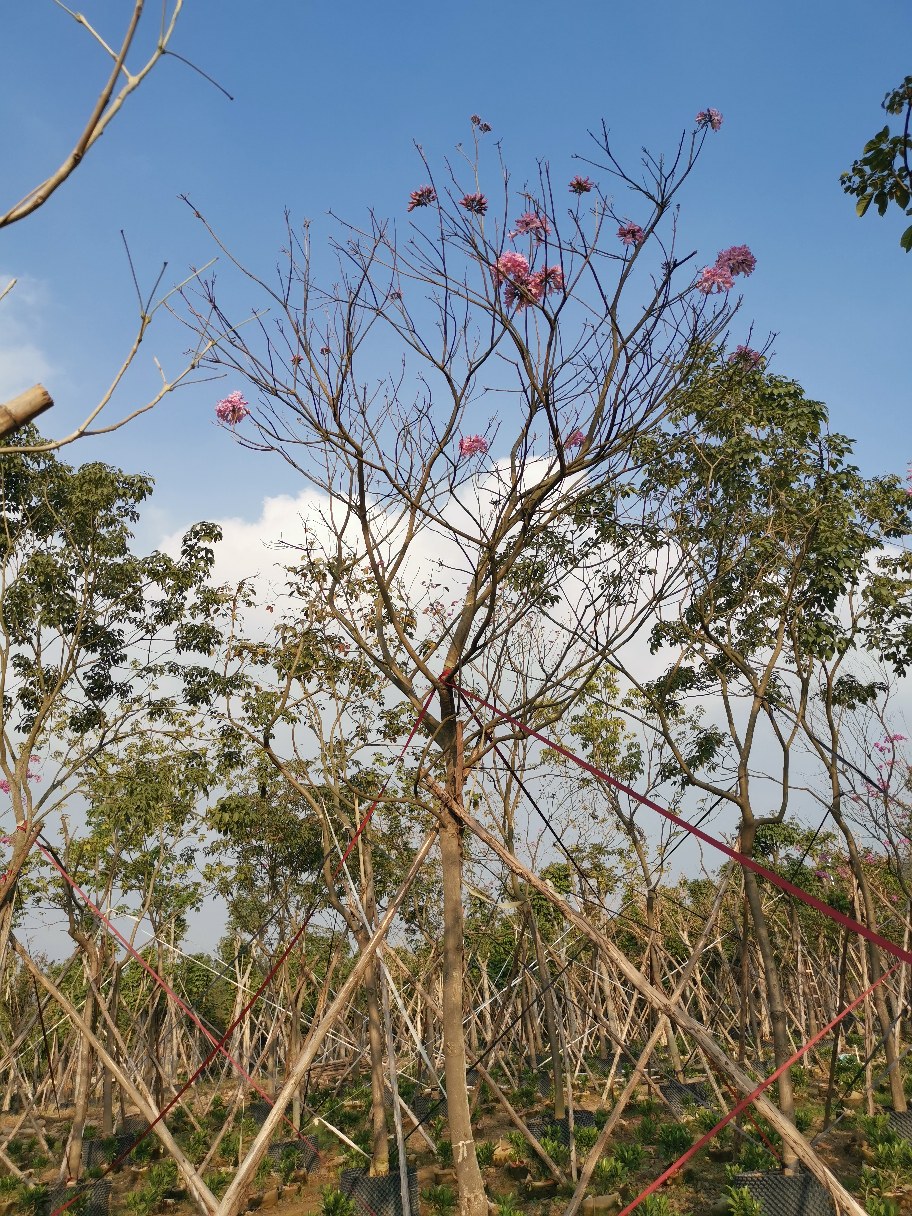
(328, 102)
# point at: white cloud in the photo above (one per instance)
(22, 360)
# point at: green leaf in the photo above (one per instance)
(863, 204)
(906, 239)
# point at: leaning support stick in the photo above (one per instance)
(236, 1194)
(663, 1004)
(22, 409)
(197, 1187)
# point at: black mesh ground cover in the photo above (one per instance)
(682, 1096)
(429, 1106)
(901, 1123)
(305, 1152)
(559, 1129)
(798, 1195)
(258, 1112)
(96, 1202)
(379, 1196)
(133, 1126)
(104, 1152)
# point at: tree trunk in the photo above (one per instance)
(472, 1200)
(544, 979)
(782, 1048)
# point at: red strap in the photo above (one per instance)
(746, 1101)
(219, 1044)
(812, 901)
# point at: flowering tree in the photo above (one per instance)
(465, 401)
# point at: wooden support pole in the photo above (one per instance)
(22, 409)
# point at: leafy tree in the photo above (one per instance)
(780, 542)
(97, 645)
(882, 174)
(389, 387)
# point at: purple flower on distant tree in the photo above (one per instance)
(714, 278)
(631, 234)
(473, 445)
(477, 204)
(575, 439)
(709, 118)
(232, 409)
(746, 356)
(424, 196)
(580, 185)
(737, 260)
(532, 225)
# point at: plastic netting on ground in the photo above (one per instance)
(781, 1195)
(683, 1096)
(96, 1202)
(901, 1123)
(379, 1196)
(303, 1151)
(429, 1106)
(103, 1152)
(258, 1111)
(559, 1129)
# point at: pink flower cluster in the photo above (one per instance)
(580, 185)
(738, 260)
(530, 224)
(575, 439)
(424, 196)
(909, 479)
(473, 445)
(31, 775)
(886, 744)
(476, 204)
(523, 286)
(715, 278)
(709, 118)
(746, 355)
(631, 234)
(729, 262)
(232, 409)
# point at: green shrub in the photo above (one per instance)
(755, 1156)
(742, 1203)
(585, 1137)
(608, 1173)
(334, 1203)
(648, 1129)
(630, 1156)
(32, 1199)
(508, 1206)
(879, 1205)
(441, 1198)
(484, 1151)
(519, 1146)
(218, 1181)
(674, 1139)
(655, 1205)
